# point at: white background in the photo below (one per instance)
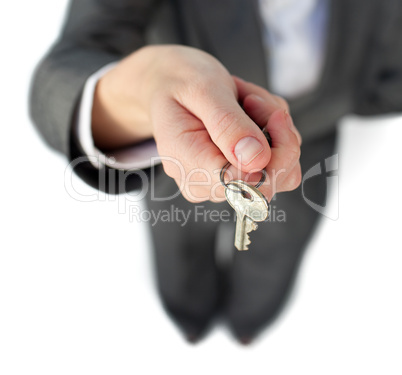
(76, 286)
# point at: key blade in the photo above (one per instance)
(243, 228)
(250, 225)
(240, 233)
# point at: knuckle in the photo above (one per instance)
(197, 85)
(268, 192)
(192, 198)
(282, 102)
(294, 153)
(169, 169)
(217, 193)
(297, 176)
(289, 159)
(294, 179)
(298, 136)
(218, 200)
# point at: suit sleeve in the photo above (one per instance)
(95, 33)
(379, 89)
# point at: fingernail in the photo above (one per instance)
(247, 149)
(288, 120)
(257, 97)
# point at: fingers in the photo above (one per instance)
(284, 168)
(272, 113)
(195, 162)
(233, 132)
(293, 179)
(260, 108)
(196, 138)
(245, 89)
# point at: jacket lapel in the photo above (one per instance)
(231, 32)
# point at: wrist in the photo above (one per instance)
(117, 118)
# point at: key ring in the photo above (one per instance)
(225, 168)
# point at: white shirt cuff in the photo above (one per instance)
(138, 156)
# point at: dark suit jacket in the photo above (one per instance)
(362, 72)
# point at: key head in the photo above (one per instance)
(247, 200)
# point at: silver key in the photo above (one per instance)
(250, 206)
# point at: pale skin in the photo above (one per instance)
(188, 102)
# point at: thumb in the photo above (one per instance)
(236, 135)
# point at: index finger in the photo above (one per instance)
(272, 102)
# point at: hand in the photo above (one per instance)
(189, 103)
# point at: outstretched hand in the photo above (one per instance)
(200, 117)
